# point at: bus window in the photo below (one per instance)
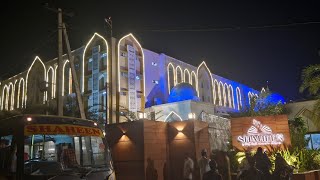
(8, 158)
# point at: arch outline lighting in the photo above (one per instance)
(184, 75)
(210, 74)
(22, 96)
(195, 78)
(181, 75)
(44, 67)
(172, 112)
(238, 92)
(174, 76)
(143, 68)
(52, 81)
(84, 54)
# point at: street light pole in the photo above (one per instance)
(60, 64)
(109, 75)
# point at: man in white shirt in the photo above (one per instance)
(204, 163)
(187, 167)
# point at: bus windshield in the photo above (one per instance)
(70, 146)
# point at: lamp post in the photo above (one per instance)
(109, 76)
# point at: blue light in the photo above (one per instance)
(182, 92)
(274, 98)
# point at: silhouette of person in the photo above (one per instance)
(244, 165)
(187, 167)
(213, 174)
(204, 163)
(151, 172)
(252, 173)
(282, 169)
(263, 163)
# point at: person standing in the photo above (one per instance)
(252, 173)
(213, 174)
(187, 167)
(263, 163)
(204, 163)
(282, 171)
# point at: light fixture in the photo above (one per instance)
(191, 116)
(29, 119)
(95, 124)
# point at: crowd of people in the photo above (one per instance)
(256, 167)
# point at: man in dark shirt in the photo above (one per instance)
(213, 174)
(252, 173)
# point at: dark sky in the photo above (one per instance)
(235, 39)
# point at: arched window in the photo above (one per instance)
(171, 76)
(239, 98)
(194, 79)
(221, 94)
(179, 74)
(20, 97)
(186, 76)
(5, 98)
(231, 97)
(204, 83)
(226, 95)
(50, 81)
(66, 78)
(216, 92)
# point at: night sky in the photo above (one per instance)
(250, 43)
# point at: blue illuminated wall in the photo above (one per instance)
(159, 92)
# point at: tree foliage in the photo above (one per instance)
(298, 130)
(311, 79)
(259, 106)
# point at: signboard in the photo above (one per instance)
(67, 129)
(259, 135)
(252, 132)
(132, 78)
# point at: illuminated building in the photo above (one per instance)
(140, 79)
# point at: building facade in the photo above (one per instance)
(133, 78)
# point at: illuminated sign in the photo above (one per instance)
(259, 134)
(61, 129)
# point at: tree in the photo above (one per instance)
(260, 106)
(298, 131)
(311, 79)
(311, 82)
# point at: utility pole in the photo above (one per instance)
(74, 74)
(60, 65)
(109, 105)
(60, 60)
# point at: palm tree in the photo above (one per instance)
(311, 82)
(311, 79)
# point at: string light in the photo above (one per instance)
(232, 96)
(22, 98)
(63, 70)
(84, 54)
(36, 59)
(172, 112)
(238, 98)
(210, 74)
(55, 81)
(52, 80)
(181, 79)
(143, 69)
(184, 75)
(193, 74)
(174, 77)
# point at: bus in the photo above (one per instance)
(53, 147)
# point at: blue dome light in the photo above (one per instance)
(182, 92)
